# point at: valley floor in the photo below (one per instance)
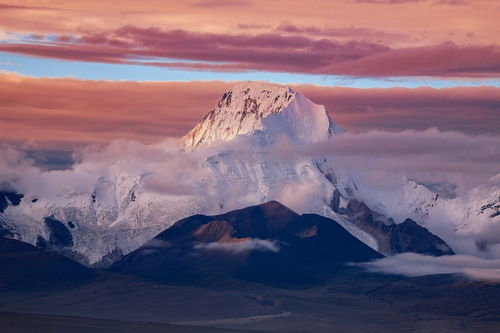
(350, 302)
(27, 323)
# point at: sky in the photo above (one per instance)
(192, 40)
(80, 72)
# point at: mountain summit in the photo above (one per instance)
(265, 108)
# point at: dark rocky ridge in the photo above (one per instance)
(392, 237)
(25, 266)
(8, 198)
(59, 237)
(292, 248)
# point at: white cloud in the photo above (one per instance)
(154, 246)
(157, 243)
(253, 244)
(299, 196)
(413, 264)
(428, 156)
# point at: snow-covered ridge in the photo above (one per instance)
(265, 108)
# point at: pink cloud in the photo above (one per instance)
(61, 112)
(222, 3)
(352, 32)
(388, 1)
(447, 59)
(269, 51)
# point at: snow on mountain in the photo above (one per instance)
(127, 206)
(469, 216)
(475, 214)
(267, 108)
(224, 165)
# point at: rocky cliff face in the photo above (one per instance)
(392, 238)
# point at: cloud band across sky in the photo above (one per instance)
(273, 52)
(386, 38)
(54, 112)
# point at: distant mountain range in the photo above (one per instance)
(236, 167)
(268, 243)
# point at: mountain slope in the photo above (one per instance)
(392, 238)
(265, 243)
(24, 266)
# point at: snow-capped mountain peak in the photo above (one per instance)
(262, 107)
(117, 205)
